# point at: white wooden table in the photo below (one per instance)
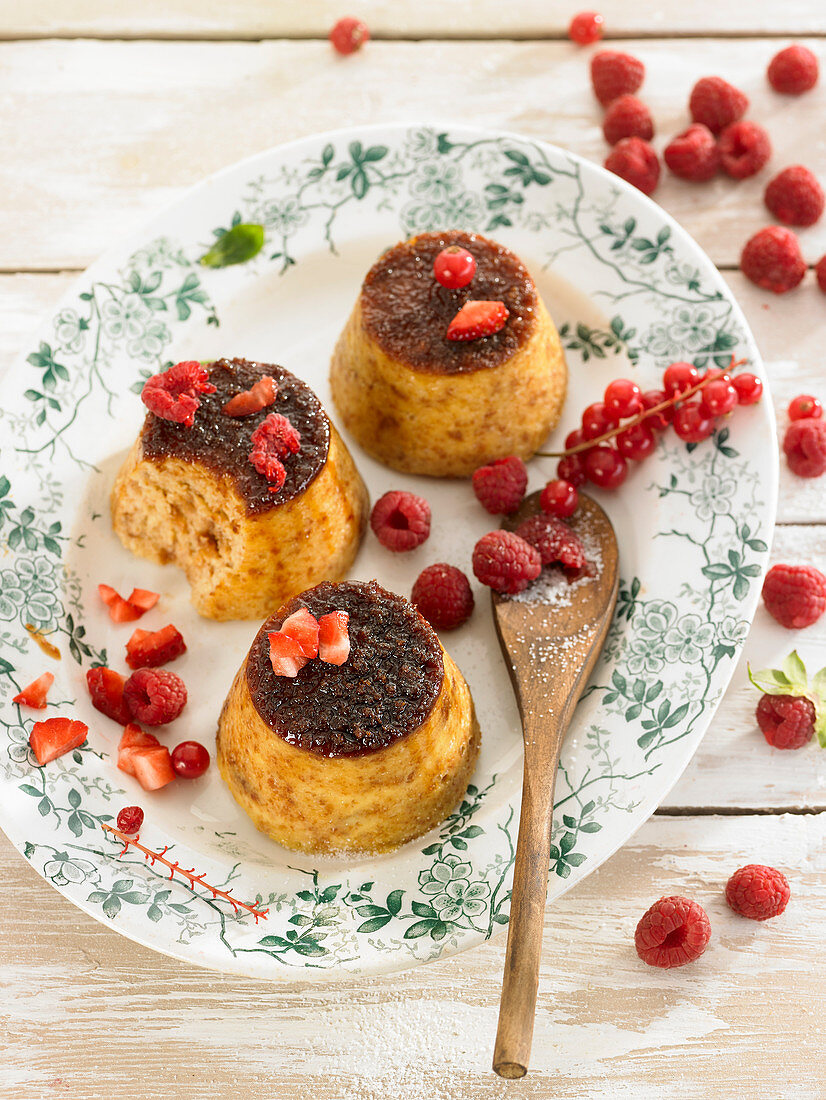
(111, 109)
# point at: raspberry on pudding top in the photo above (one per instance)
(407, 312)
(384, 690)
(222, 442)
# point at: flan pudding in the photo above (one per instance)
(425, 404)
(358, 757)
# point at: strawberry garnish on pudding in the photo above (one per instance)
(477, 319)
(302, 627)
(334, 637)
(303, 637)
(286, 657)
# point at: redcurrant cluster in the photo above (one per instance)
(624, 425)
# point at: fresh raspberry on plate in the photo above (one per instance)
(555, 541)
(130, 819)
(500, 486)
(635, 161)
(400, 521)
(804, 445)
(627, 116)
(614, 74)
(744, 149)
(673, 932)
(443, 595)
(150, 648)
(794, 196)
(334, 637)
(772, 259)
(716, 104)
(154, 696)
(786, 721)
(505, 562)
(34, 694)
(793, 71)
(693, 154)
(758, 892)
(795, 595)
(106, 691)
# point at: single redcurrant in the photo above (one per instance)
(718, 397)
(573, 439)
(636, 442)
(559, 498)
(454, 267)
(572, 468)
(805, 407)
(348, 35)
(658, 421)
(622, 398)
(586, 28)
(691, 423)
(606, 467)
(597, 420)
(749, 388)
(130, 819)
(679, 377)
(190, 759)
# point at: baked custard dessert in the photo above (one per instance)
(426, 400)
(239, 477)
(352, 757)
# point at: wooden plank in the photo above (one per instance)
(389, 19)
(87, 1014)
(100, 135)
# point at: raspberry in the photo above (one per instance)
(130, 819)
(758, 892)
(272, 440)
(400, 521)
(554, 540)
(154, 696)
(795, 595)
(787, 721)
(505, 562)
(443, 596)
(804, 445)
(348, 35)
(627, 116)
(173, 394)
(635, 161)
(586, 28)
(500, 486)
(693, 154)
(793, 70)
(772, 259)
(794, 196)
(744, 149)
(716, 104)
(673, 932)
(614, 74)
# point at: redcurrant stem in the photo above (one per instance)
(632, 422)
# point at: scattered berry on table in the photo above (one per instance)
(795, 595)
(174, 394)
(635, 161)
(749, 388)
(150, 648)
(605, 467)
(55, 736)
(614, 74)
(302, 627)
(820, 273)
(154, 696)
(454, 267)
(794, 196)
(772, 259)
(130, 819)
(400, 520)
(190, 759)
(804, 445)
(500, 486)
(787, 721)
(477, 319)
(555, 541)
(679, 377)
(793, 71)
(718, 398)
(586, 28)
(744, 149)
(34, 694)
(559, 498)
(505, 562)
(693, 154)
(805, 406)
(758, 892)
(443, 595)
(334, 637)
(258, 397)
(692, 422)
(627, 116)
(673, 932)
(716, 104)
(106, 691)
(286, 657)
(622, 398)
(348, 35)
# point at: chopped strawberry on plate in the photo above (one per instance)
(34, 694)
(56, 736)
(106, 690)
(132, 739)
(141, 754)
(148, 649)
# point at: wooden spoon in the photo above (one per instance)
(551, 637)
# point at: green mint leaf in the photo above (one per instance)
(236, 246)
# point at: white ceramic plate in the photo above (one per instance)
(629, 291)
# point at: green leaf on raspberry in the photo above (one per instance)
(791, 679)
(820, 726)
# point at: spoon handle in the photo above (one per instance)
(517, 1007)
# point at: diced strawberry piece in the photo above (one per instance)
(334, 637)
(133, 740)
(34, 694)
(121, 611)
(153, 767)
(143, 599)
(56, 736)
(148, 649)
(259, 397)
(106, 689)
(302, 627)
(285, 654)
(107, 594)
(477, 319)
